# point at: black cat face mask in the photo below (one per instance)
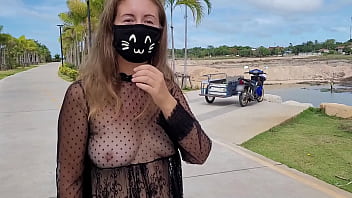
(136, 43)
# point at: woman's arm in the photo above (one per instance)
(180, 124)
(72, 142)
(184, 129)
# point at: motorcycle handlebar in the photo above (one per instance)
(254, 74)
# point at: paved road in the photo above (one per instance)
(29, 106)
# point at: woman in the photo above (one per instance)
(123, 123)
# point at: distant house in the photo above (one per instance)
(287, 52)
(339, 49)
(324, 50)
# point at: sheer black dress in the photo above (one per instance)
(114, 155)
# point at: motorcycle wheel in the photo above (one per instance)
(261, 98)
(209, 99)
(244, 98)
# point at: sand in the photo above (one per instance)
(281, 70)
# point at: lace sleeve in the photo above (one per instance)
(183, 128)
(72, 140)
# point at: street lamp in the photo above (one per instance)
(89, 26)
(351, 30)
(62, 58)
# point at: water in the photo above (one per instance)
(311, 94)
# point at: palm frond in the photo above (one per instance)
(196, 7)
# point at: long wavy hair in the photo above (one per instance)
(98, 73)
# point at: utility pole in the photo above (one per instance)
(185, 61)
(62, 58)
(351, 30)
(89, 27)
(173, 43)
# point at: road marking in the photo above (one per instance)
(285, 172)
(223, 172)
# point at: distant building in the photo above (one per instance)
(339, 49)
(324, 50)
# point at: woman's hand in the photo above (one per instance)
(151, 80)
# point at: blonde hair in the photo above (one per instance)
(98, 73)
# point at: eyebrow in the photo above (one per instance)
(131, 15)
(149, 15)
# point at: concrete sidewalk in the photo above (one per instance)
(29, 107)
(232, 171)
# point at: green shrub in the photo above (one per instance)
(67, 71)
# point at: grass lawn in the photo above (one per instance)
(313, 143)
(10, 72)
(65, 77)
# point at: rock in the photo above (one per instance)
(295, 103)
(338, 110)
(272, 98)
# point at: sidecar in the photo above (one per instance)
(219, 85)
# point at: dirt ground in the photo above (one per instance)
(281, 70)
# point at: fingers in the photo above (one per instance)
(147, 70)
(145, 79)
(151, 80)
(145, 73)
(145, 67)
(147, 88)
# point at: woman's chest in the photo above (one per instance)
(119, 139)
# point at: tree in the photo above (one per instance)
(22, 51)
(263, 51)
(75, 31)
(198, 13)
(330, 44)
(57, 58)
(347, 50)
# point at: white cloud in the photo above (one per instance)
(17, 8)
(10, 8)
(291, 6)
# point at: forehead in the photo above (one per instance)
(137, 7)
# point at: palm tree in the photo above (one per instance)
(2, 48)
(197, 11)
(21, 51)
(75, 31)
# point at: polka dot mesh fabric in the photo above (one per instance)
(128, 157)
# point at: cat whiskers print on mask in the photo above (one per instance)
(126, 45)
(136, 43)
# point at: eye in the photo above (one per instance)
(128, 21)
(150, 22)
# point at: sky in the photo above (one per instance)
(252, 23)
